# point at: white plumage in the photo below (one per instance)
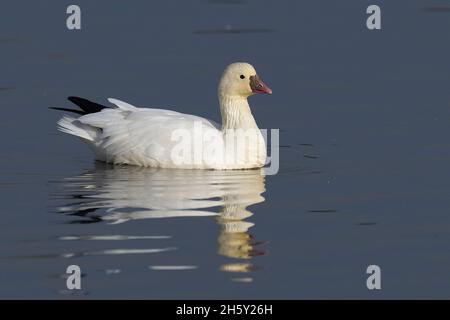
(162, 138)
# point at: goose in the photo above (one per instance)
(162, 138)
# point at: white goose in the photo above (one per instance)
(169, 139)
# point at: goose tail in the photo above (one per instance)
(74, 127)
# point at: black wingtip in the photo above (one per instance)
(86, 105)
(68, 110)
(78, 100)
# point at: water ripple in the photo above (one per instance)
(117, 195)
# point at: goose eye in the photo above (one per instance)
(242, 76)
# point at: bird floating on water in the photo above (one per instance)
(150, 137)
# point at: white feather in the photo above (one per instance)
(121, 104)
(69, 125)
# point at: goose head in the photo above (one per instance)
(241, 80)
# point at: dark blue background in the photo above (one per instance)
(375, 105)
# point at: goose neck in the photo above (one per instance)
(236, 113)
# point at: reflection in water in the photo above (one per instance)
(112, 237)
(123, 193)
(172, 267)
(116, 251)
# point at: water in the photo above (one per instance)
(364, 119)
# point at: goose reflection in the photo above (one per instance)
(117, 194)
